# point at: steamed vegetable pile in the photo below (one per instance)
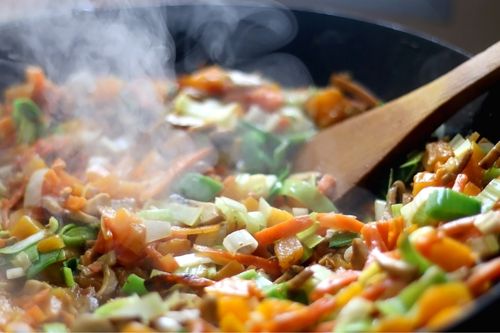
(189, 218)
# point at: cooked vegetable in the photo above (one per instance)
(192, 218)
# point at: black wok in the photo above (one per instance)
(387, 59)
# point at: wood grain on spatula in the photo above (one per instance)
(351, 149)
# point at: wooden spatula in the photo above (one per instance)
(351, 149)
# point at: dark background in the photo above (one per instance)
(471, 25)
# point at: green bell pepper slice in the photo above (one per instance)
(198, 187)
(307, 194)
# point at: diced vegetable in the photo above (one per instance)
(25, 227)
(22, 245)
(342, 239)
(68, 277)
(240, 241)
(289, 251)
(445, 204)
(198, 187)
(54, 328)
(46, 259)
(488, 222)
(490, 194)
(74, 235)
(156, 230)
(51, 243)
(134, 285)
(14, 273)
(28, 120)
(307, 194)
(283, 230)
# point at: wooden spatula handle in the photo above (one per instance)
(351, 149)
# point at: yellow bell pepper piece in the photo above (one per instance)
(395, 323)
(230, 323)
(440, 297)
(135, 327)
(348, 293)
(451, 254)
(251, 204)
(444, 317)
(277, 216)
(233, 305)
(25, 227)
(51, 243)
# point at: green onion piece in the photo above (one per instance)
(250, 274)
(46, 259)
(53, 225)
(32, 253)
(491, 174)
(68, 276)
(54, 328)
(379, 208)
(412, 256)
(174, 212)
(27, 119)
(134, 285)
(21, 245)
(444, 204)
(312, 241)
(279, 291)
(74, 235)
(396, 210)
(408, 169)
(489, 195)
(342, 239)
(198, 187)
(307, 194)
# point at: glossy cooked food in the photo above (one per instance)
(171, 206)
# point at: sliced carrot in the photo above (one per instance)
(461, 228)
(164, 263)
(334, 283)
(471, 189)
(483, 275)
(303, 318)
(283, 230)
(339, 222)
(35, 315)
(270, 266)
(372, 237)
(182, 232)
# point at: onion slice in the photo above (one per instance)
(33, 192)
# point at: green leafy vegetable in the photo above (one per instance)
(28, 120)
(134, 285)
(74, 235)
(341, 239)
(198, 187)
(308, 194)
(46, 259)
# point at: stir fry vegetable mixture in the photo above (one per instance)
(195, 222)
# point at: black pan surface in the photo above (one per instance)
(295, 48)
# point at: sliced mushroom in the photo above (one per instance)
(493, 155)
(93, 206)
(83, 218)
(360, 254)
(394, 267)
(52, 206)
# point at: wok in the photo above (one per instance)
(387, 59)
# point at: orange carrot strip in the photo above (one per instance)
(180, 232)
(268, 265)
(300, 319)
(339, 221)
(484, 273)
(334, 283)
(372, 237)
(178, 166)
(283, 230)
(463, 226)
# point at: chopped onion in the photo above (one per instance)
(264, 207)
(192, 259)
(298, 211)
(14, 273)
(255, 222)
(485, 246)
(488, 222)
(379, 209)
(22, 260)
(489, 195)
(240, 241)
(33, 192)
(156, 230)
(409, 210)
